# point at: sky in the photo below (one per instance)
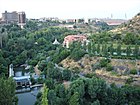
(70, 9)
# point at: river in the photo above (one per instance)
(28, 98)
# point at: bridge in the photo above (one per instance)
(36, 85)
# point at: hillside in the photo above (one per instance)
(87, 65)
(133, 26)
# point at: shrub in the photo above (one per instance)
(109, 67)
(129, 80)
(114, 73)
(90, 75)
(77, 54)
(104, 62)
(133, 71)
(33, 81)
(96, 66)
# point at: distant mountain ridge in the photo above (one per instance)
(132, 26)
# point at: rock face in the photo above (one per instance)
(132, 25)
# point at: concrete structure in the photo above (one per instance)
(114, 22)
(70, 20)
(71, 38)
(11, 71)
(9, 17)
(21, 19)
(22, 81)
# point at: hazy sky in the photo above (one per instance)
(73, 8)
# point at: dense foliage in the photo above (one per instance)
(31, 45)
(92, 91)
(7, 92)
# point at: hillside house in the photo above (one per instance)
(71, 38)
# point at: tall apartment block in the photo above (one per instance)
(9, 17)
(21, 19)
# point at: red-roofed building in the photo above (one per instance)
(71, 38)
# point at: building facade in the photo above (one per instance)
(10, 17)
(21, 19)
(13, 17)
(71, 38)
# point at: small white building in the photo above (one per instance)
(56, 42)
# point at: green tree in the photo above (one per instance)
(60, 91)
(77, 86)
(104, 50)
(128, 50)
(3, 37)
(50, 83)
(119, 50)
(74, 99)
(93, 48)
(66, 75)
(129, 38)
(77, 53)
(98, 48)
(3, 64)
(44, 95)
(89, 47)
(54, 73)
(109, 67)
(136, 51)
(104, 62)
(132, 94)
(111, 49)
(115, 96)
(52, 97)
(7, 91)
(97, 102)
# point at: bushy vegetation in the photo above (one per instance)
(133, 71)
(90, 91)
(31, 45)
(7, 91)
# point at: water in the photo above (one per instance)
(28, 98)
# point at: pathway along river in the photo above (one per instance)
(27, 97)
